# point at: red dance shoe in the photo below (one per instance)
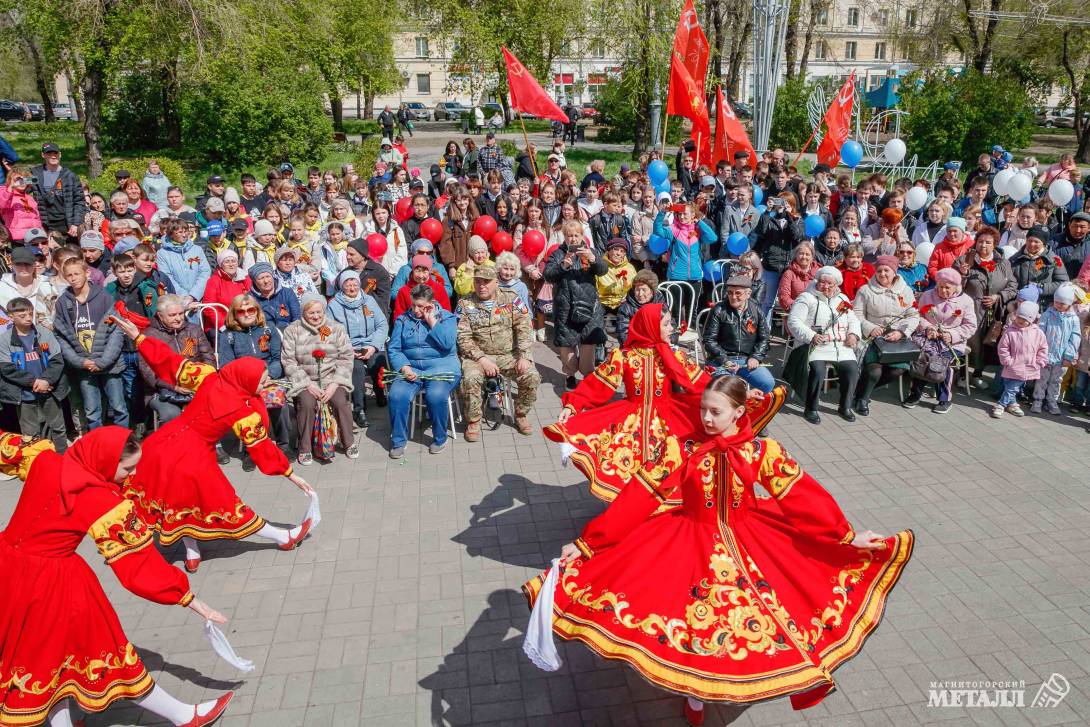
(293, 543)
(692, 716)
(217, 711)
(192, 564)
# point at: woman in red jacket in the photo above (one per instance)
(223, 285)
(731, 597)
(856, 272)
(60, 639)
(423, 272)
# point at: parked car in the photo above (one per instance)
(36, 111)
(63, 112)
(449, 110)
(588, 111)
(13, 111)
(1058, 118)
(742, 110)
(418, 110)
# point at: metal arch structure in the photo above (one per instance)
(873, 149)
(769, 30)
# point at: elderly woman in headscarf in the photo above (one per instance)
(226, 282)
(947, 315)
(179, 488)
(317, 356)
(367, 331)
(826, 332)
(886, 309)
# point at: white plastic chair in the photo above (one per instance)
(419, 409)
(220, 320)
(681, 298)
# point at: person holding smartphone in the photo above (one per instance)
(18, 209)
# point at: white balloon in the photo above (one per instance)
(1060, 192)
(915, 198)
(1018, 187)
(1008, 251)
(1002, 179)
(923, 252)
(894, 151)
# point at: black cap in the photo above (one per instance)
(122, 174)
(22, 255)
(416, 182)
(216, 179)
(1079, 217)
(1040, 232)
(741, 154)
(821, 168)
(240, 224)
(490, 135)
(188, 217)
(50, 146)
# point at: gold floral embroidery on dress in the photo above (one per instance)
(17, 453)
(779, 470)
(619, 449)
(170, 515)
(611, 371)
(725, 618)
(120, 532)
(692, 368)
(93, 671)
(192, 374)
(250, 429)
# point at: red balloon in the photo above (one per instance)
(502, 242)
(485, 226)
(533, 242)
(431, 229)
(376, 245)
(403, 210)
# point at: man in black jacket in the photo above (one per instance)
(736, 336)
(61, 204)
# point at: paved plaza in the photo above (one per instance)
(404, 608)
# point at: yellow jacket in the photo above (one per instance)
(615, 284)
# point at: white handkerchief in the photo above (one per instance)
(538, 644)
(314, 511)
(223, 648)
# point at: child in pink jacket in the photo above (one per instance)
(18, 209)
(1023, 350)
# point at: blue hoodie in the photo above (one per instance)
(186, 266)
(427, 350)
(1062, 333)
(362, 319)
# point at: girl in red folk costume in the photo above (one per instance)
(180, 489)
(762, 597)
(639, 437)
(60, 639)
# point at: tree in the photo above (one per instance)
(957, 117)
(25, 27)
(790, 120)
(729, 24)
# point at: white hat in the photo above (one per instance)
(1028, 310)
(831, 272)
(263, 227)
(1064, 295)
(224, 254)
(663, 196)
(214, 204)
(231, 195)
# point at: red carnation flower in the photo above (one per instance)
(318, 354)
(926, 309)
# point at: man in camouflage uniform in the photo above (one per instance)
(495, 337)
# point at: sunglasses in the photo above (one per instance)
(246, 311)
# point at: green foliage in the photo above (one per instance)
(790, 122)
(132, 113)
(64, 127)
(360, 126)
(138, 166)
(958, 117)
(238, 121)
(366, 154)
(617, 114)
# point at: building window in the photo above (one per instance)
(849, 50)
(422, 50)
(823, 17)
(879, 51)
(423, 83)
(598, 49)
(910, 18)
(820, 52)
(883, 18)
(853, 17)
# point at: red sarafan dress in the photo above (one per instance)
(178, 487)
(59, 635)
(639, 437)
(731, 597)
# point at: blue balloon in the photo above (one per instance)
(713, 273)
(851, 153)
(761, 209)
(758, 195)
(814, 225)
(663, 186)
(657, 245)
(737, 243)
(657, 171)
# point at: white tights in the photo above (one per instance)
(269, 532)
(157, 701)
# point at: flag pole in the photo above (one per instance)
(805, 146)
(665, 122)
(526, 140)
(698, 139)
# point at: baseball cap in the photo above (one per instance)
(997, 149)
(92, 240)
(485, 272)
(707, 181)
(189, 218)
(951, 165)
(416, 182)
(554, 158)
(216, 227)
(216, 179)
(49, 146)
(122, 174)
(22, 255)
(287, 167)
(821, 169)
(240, 225)
(126, 244)
(1079, 217)
(34, 233)
(214, 204)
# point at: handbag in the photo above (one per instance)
(934, 361)
(275, 396)
(896, 352)
(324, 432)
(994, 333)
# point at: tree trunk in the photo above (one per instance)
(790, 40)
(172, 122)
(738, 44)
(717, 41)
(808, 38)
(77, 103)
(41, 81)
(359, 110)
(92, 85)
(368, 104)
(336, 107)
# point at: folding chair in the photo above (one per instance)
(419, 410)
(681, 297)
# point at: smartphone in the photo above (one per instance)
(677, 209)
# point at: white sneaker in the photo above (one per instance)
(1015, 411)
(539, 334)
(997, 411)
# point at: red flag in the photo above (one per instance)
(686, 99)
(691, 44)
(527, 94)
(838, 119)
(730, 135)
